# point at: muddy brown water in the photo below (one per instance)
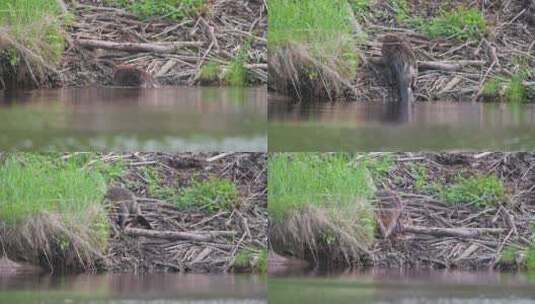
(384, 287)
(386, 126)
(134, 289)
(164, 119)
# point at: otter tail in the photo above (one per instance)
(406, 94)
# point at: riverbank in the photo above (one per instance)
(209, 43)
(205, 212)
(482, 53)
(466, 211)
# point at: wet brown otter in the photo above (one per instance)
(130, 76)
(128, 209)
(398, 55)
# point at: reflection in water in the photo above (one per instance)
(380, 287)
(178, 119)
(392, 126)
(128, 288)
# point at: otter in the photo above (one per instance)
(389, 208)
(128, 208)
(130, 76)
(398, 55)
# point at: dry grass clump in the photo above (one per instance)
(328, 236)
(58, 243)
(313, 48)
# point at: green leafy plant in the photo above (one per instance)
(237, 72)
(461, 23)
(481, 191)
(213, 195)
(169, 9)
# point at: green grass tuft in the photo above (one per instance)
(491, 87)
(360, 5)
(482, 191)
(170, 9)
(53, 206)
(509, 255)
(35, 183)
(210, 72)
(530, 259)
(252, 260)
(213, 195)
(323, 27)
(236, 74)
(298, 180)
(461, 23)
(515, 91)
(35, 24)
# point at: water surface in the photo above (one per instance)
(134, 289)
(386, 126)
(404, 288)
(164, 119)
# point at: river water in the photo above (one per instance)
(381, 287)
(165, 119)
(385, 126)
(134, 289)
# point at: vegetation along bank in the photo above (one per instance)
(464, 50)
(463, 211)
(148, 43)
(133, 212)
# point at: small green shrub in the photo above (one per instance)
(252, 260)
(236, 74)
(515, 91)
(210, 72)
(491, 87)
(360, 5)
(379, 167)
(530, 258)
(481, 191)
(170, 9)
(402, 10)
(509, 255)
(213, 195)
(419, 172)
(461, 23)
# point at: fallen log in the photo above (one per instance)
(448, 65)
(452, 232)
(204, 236)
(437, 65)
(170, 47)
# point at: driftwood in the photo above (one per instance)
(448, 65)
(453, 232)
(204, 236)
(166, 48)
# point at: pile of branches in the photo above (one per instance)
(192, 239)
(449, 68)
(426, 232)
(104, 37)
